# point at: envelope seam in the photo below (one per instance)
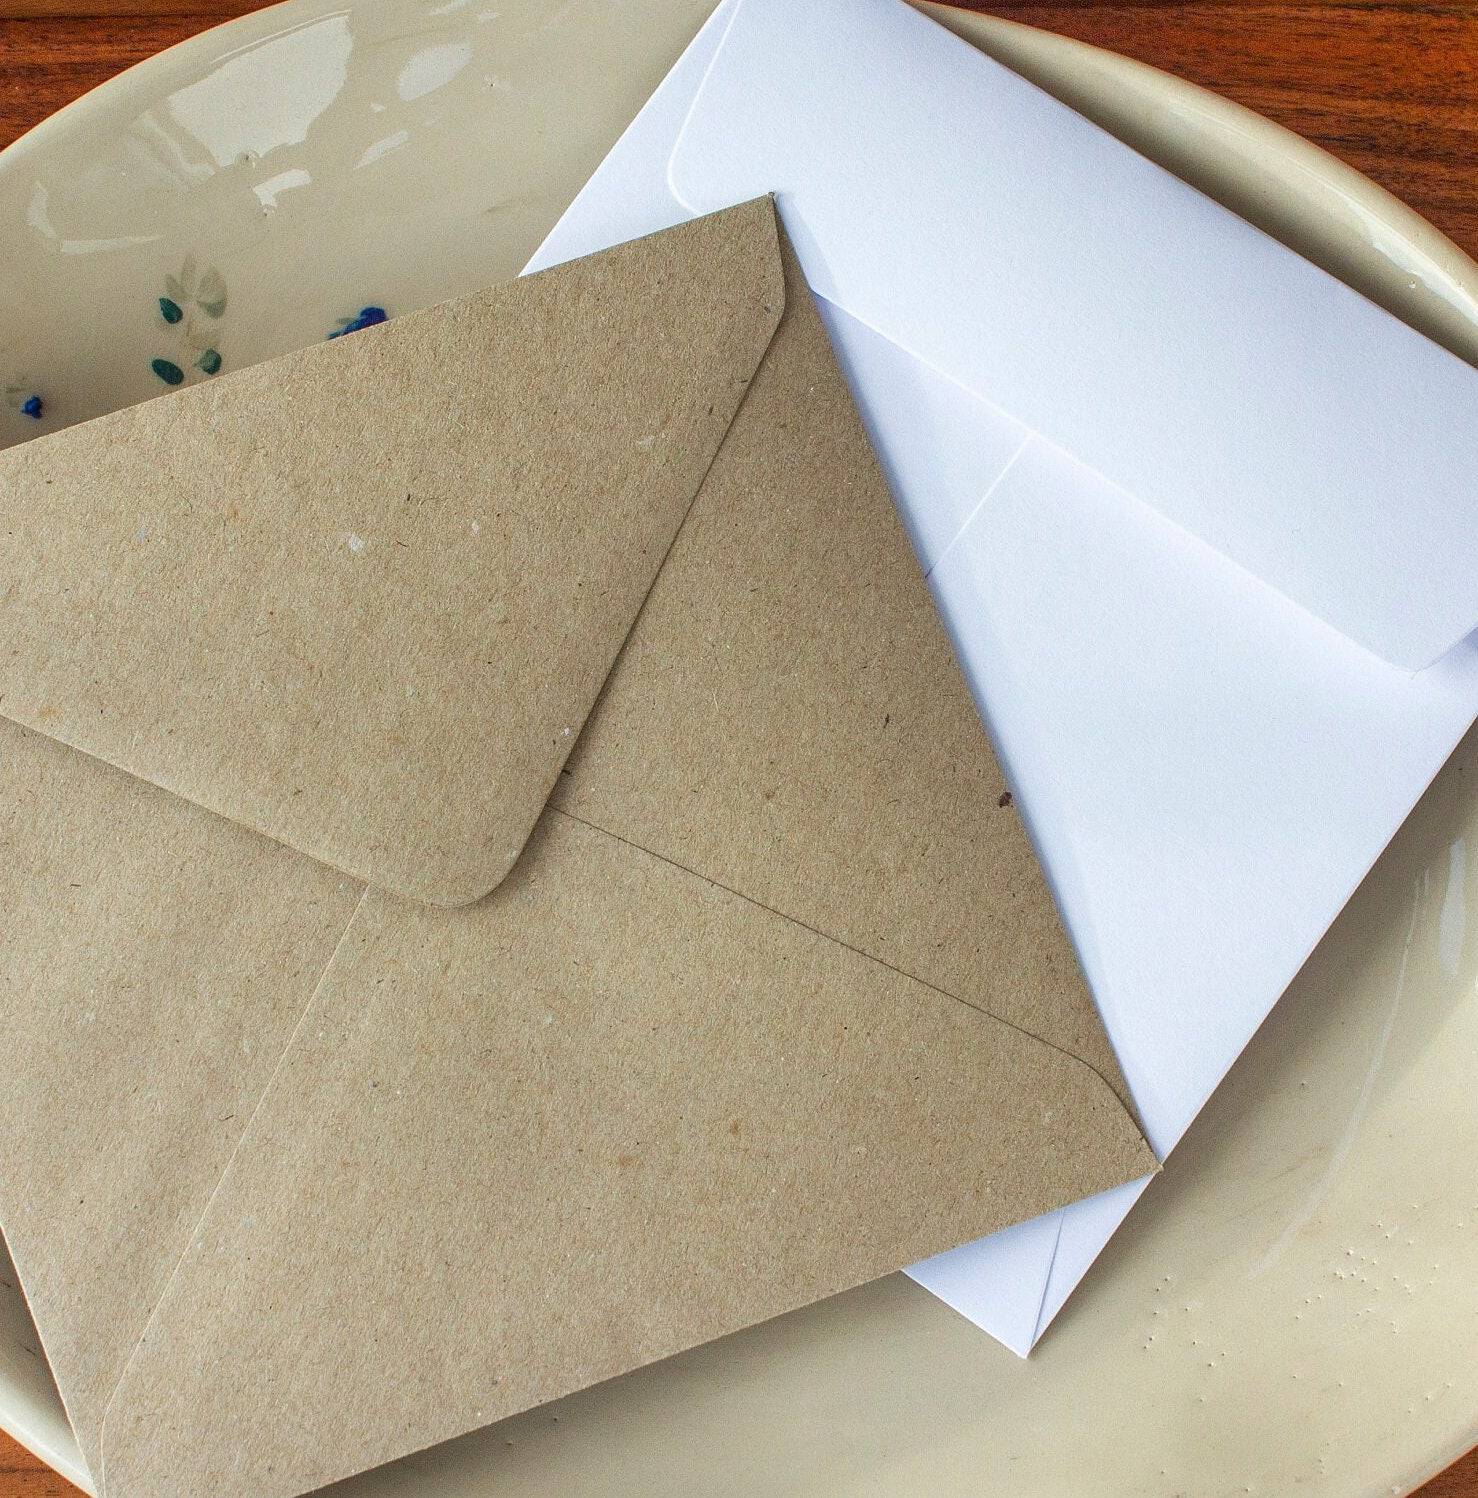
(980, 504)
(847, 946)
(43, 1339)
(1047, 1278)
(205, 1210)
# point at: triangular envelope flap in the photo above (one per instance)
(1164, 342)
(361, 598)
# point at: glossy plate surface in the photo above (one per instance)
(1294, 1306)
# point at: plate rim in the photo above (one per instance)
(220, 41)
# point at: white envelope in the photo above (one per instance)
(1203, 522)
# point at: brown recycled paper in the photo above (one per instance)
(363, 604)
(768, 998)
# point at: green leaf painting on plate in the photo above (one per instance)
(187, 293)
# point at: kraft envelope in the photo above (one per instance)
(507, 879)
(1192, 510)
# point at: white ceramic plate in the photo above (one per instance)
(1294, 1307)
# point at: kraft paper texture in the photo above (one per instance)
(503, 877)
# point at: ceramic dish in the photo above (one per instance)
(1294, 1306)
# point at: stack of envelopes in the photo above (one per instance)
(504, 878)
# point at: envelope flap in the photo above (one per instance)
(1113, 309)
(362, 598)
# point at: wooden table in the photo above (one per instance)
(1389, 85)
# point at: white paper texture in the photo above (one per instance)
(1166, 343)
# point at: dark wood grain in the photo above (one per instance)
(1459, 1481)
(25, 1476)
(1391, 86)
